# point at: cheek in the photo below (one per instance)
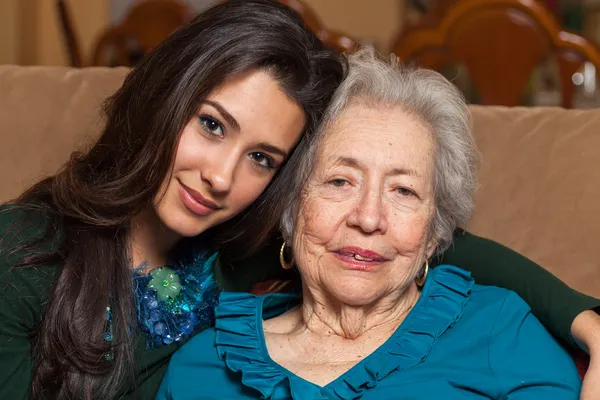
(409, 232)
(188, 154)
(319, 220)
(245, 191)
(317, 226)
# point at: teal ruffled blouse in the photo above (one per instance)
(460, 340)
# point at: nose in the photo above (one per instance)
(369, 215)
(219, 172)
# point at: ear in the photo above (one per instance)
(431, 246)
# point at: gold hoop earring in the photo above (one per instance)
(285, 264)
(420, 281)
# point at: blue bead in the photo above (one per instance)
(155, 315)
(187, 328)
(186, 307)
(167, 339)
(152, 303)
(160, 328)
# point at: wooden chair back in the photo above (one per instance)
(336, 40)
(146, 25)
(500, 42)
(68, 33)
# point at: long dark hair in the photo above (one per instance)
(91, 201)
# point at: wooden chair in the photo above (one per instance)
(500, 42)
(337, 40)
(68, 33)
(146, 25)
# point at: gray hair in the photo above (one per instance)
(437, 103)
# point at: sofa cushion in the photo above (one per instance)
(539, 187)
(46, 113)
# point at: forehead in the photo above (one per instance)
(259, 105)
(379, 134)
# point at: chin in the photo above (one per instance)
(354, 291)
(186, 225)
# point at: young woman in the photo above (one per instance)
(198, 152)
(201, 129)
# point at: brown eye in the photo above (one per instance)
(338, 182)
(405, 192)
(210, 125)
(263, 160)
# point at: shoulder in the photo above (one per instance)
(493, 296)
(18, 226)
(481, 306)
(492, 303)
(236, 318)
(32, 220)
(23, 290)
(191, 367)
(451, 280)
(523, 355)
(197, 352)
(448, 278)
(513, 326)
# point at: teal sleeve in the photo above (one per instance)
(526, 359)
(551, 300)
(164, 391)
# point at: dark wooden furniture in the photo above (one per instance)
(68, 33)
(500, 42)
(151, 21)
(147, 24)
(337, 40)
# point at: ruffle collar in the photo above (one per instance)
(240, 339)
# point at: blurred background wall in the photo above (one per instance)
(30, 34)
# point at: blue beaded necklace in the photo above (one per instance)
(175, 300)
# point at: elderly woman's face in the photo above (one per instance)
(362, 226)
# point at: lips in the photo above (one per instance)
(199, 198)
(360, 254)
(195, 202)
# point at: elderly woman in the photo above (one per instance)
(387, 182)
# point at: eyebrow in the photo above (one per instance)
(235, 125)
(228, 117)
(272, 149)
(354, 163)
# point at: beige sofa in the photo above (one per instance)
(539, 180)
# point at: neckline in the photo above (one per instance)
(241, 344)
(396, 335)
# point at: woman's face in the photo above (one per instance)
(228, 153)
(362, 225)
